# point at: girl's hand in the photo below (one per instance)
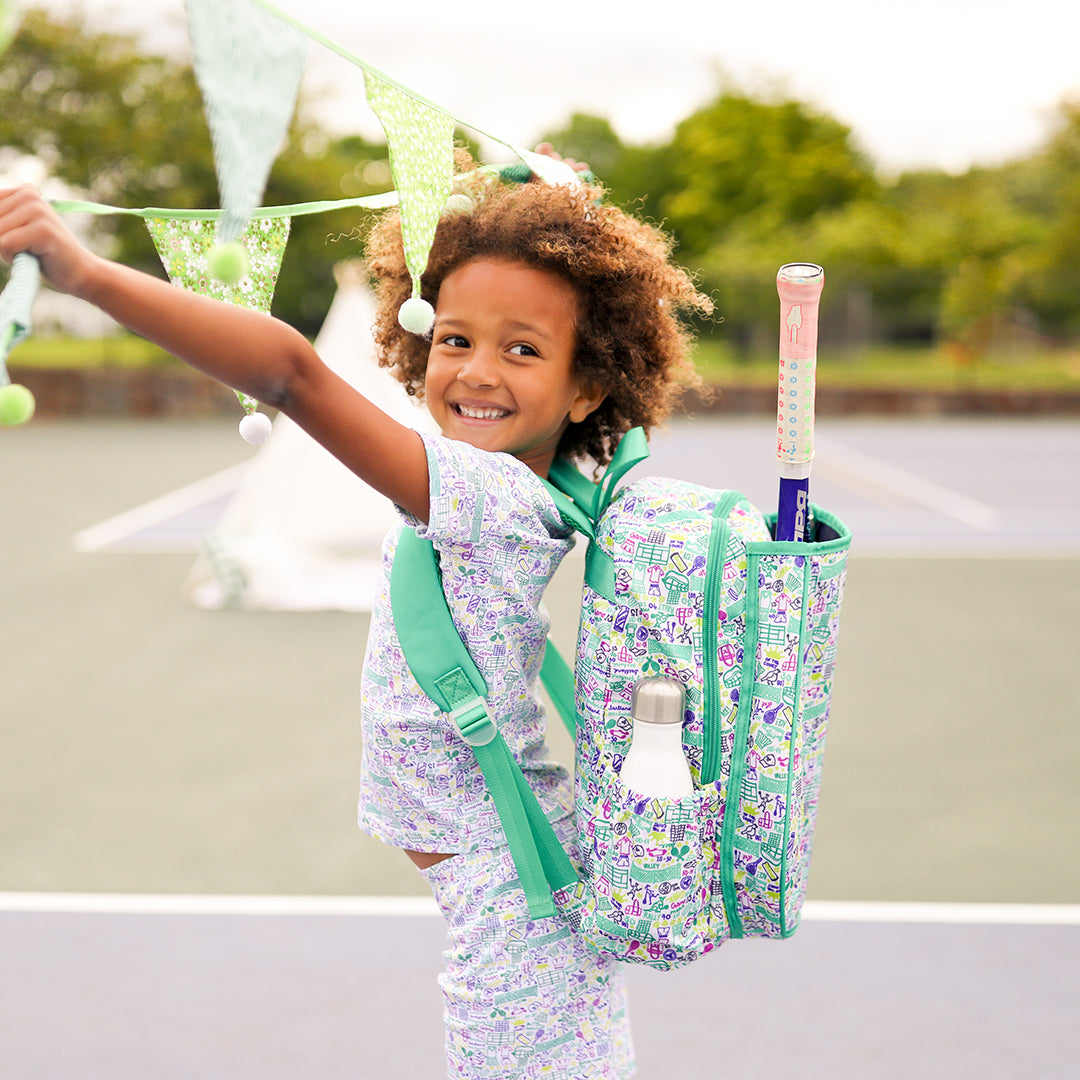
(28, 223)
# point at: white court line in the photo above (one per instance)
(908, 485)
(895, 911)
(188, 904)
(149, 514)
(813, 910)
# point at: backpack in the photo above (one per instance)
(681, 581)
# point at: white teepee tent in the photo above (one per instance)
(302, 532)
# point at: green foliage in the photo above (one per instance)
(591, 139)
(748, 167)
(128, 129)
(739, 186)
(121, 350)
(114, 124)
(900, 367)
(311, 167)
(1047, 184)
(743, 185)
(748, 181)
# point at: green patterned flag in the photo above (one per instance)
(248, 63)
(184, 247)
(421, 141)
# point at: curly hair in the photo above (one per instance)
(629, 339)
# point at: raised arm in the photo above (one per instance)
(245, 349)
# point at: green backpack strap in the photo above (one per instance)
(581, 502)
(441, 664)
(558, 679)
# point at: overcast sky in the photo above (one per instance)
(942, 83)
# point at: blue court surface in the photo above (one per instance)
(183, 893)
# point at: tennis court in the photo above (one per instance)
(184, 894)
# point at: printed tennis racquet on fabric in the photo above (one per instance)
(799, 286)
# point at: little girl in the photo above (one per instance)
(556, 331)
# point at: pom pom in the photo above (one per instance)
(228, 262)
(459, 203)
(255, 428)
(416, 315)
(16, 404)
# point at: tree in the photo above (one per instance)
(314, 167)
(757, 166)
(1049, 284)
(744, 182)
(115, 125)
(966, 237)
(588, 138)
(128, 130)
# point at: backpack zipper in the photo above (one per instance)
(714, 591)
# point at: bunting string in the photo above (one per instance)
(370, 69)
(364, 202)
(249, 57)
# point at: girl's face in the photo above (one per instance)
(500, 369)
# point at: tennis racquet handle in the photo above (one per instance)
(799, 287)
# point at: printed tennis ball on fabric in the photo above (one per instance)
(228, 262)
(16, 404)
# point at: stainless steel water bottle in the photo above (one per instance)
(655, 765)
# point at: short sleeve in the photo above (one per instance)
(477, 496)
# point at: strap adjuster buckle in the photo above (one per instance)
(474, 722)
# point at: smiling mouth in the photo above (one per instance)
(477, 412)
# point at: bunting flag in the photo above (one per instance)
(249, 60)
(184, 245)
(248, 64)
(421, 142)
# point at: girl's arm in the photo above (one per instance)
(245, 349)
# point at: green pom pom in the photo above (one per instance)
(16, 404)
(228, 262)
(416, 315)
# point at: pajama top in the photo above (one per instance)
(499, 539)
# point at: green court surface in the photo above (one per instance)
(200, 770)
(152, 747)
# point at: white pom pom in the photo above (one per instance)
(459, 203)
(255, 428)
(416, 315)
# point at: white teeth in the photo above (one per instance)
(474, 413)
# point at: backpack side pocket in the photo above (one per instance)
(645, 893)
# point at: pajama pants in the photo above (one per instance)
(523, 998)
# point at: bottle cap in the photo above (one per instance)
(658, 701)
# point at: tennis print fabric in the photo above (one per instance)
(702, 594)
